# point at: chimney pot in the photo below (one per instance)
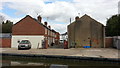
(39, 18)
(45, 23)
(49, 26)
(76, 18)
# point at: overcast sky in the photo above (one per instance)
(58, 12)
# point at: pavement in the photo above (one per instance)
(84, 52)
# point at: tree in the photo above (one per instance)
(1, 21)
(7, 26)
(113, 26)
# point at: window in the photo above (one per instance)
(55, 35)
(24, 42)
(45, 31)
(48, 32)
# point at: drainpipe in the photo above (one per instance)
(91, 34)
(104, 36)
(74, 36)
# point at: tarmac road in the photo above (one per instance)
(87, 52)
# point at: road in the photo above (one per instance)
(87, 52)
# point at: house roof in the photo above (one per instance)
(37, 22)
(41, 24)
(64, 33)
(89, 18)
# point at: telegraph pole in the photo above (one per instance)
(79, 14)
(70, 20)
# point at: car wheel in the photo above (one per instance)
(29, 47)
(18, 48)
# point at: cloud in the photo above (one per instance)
(61, 11)
(58, 11)
(59, 27)
(98, 9)
(52, 11)
(1, 6)
(6, 17)
(119, 7)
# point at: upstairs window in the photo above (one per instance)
(45, 31)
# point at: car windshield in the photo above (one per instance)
(24, 42)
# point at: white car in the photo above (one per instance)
(24, 44)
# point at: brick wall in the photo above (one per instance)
(108, 42)
(28, 26)
(57, 38)
(6, 42)
(86, 32)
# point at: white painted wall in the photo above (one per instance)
(34, 39)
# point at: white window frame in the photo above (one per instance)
(45, 31)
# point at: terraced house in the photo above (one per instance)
(35, 31)
(86, 32)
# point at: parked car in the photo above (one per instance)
(24, 44)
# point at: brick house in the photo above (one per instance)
(86, 31)
(32, 29)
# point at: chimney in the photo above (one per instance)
(76, 18)
(39, 18)
(45, 23)
(49, 26)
